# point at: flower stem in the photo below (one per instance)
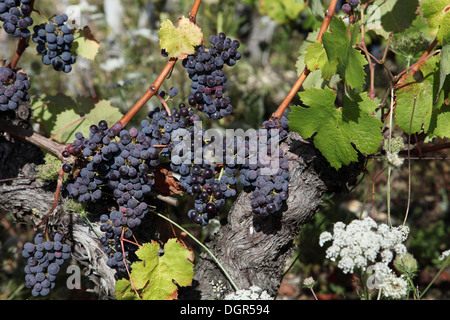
(444, 265)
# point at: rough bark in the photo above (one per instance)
(253, 249)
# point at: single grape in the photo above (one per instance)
(346, 8)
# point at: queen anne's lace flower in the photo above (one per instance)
(444, 255)
(386, 256)
(394, 287)
(362, 242)
(252, 293)
(309, 282)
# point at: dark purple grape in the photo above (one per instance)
(346, 8)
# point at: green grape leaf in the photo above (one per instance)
(444, 63)
(47, 108)
(316, 56)
(154, 275)
(342, 57)
(440, 122)
(384, 17)
(411, 43)
(317, 9)
(181, 41)
(84, 43)
(316, 77)
(334, 130)
(65, 126)
(310, 39)
(420, 105)
(437, 13)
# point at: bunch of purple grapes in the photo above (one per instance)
(44, 259)
(117, 159)
(209, 185)
(15, 15)
(267, 171)
(208, 79)
(14, 87)
(118, 162)
(54, 41)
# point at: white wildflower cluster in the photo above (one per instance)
(218, 288)
(253, 293)
(394, 287)
(444, 255)
(362, 244)
(309, 282)
(394, 159)
(392, 151)
(363, 241)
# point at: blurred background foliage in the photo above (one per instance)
(271, 34)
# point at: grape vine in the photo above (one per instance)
(118, 167)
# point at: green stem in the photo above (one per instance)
(435, 277)
(413, 289)
(92, 226)
(363, 285)
(389, 150)
(203, 246)
(18, 289)
(389, 195)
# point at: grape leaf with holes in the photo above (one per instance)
(180, 41)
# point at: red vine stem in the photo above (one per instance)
(296, 87)
(126, 266)
(149, 93)
(194, 10)
(55, 201)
